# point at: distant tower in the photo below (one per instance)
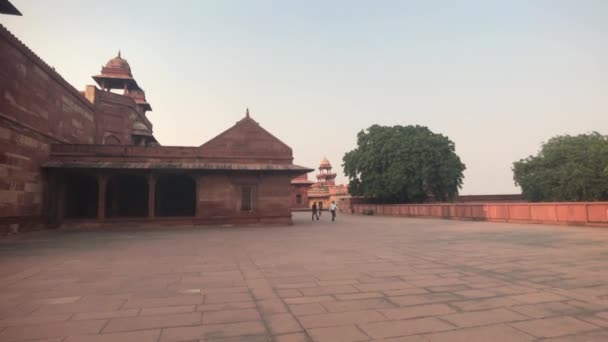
(117, 75)
(326, 177)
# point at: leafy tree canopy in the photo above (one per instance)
(403, 165)
(567, 168)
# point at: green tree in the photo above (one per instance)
(567, 168)
(403, 165)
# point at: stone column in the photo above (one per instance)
(151, 195)
(102, 181)
(61, 199)
(197, 210)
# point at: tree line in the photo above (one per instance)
(410, 164)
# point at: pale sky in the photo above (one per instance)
(497, 77)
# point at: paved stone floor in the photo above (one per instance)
(359, 279)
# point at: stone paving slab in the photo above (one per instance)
(357, 279)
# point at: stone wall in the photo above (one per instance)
(219, 198)
(37, 108)
(302, 191)
(567, 213)
(114, 115)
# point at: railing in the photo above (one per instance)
(569, 213)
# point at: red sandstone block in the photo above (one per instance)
(263, 293)
(448, 288)
(85, 305)
(554, 327)
(338, 275)
(340, 318)
(603, 315)
(105, 314)
(484, 284)
(476, 293)
(131, 336)
(511, 290)
(355, 305)
(337, 282)
(438, 282)
(488, 303)
(404, 328)
(328, 290)
(488, 317)
(225, 306)
(163, 302)
(192, 333)
(283, 279)
(306, 300)
(167, 310)
(231, 316)
(271, 306)
(413, 338)
(212, 331)
(248, 338)
(307, 309)
(296, 337)
(227, 298)
(537, 297)
(417, 311)
(237, 289)
(282, 323)
(210, 277)
(493, 333)
(405, 292)
(287, 293)
(424, 299)
(151, 322)
(549, 309)
(355, 296)
(598, 336)
(332, 334)
(595, 305)
(382, 286)
(594, 319)
(33, 319)
(50, 330)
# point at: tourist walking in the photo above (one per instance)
(332, 209)
(314, 212)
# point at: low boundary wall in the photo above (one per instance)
(566, 213)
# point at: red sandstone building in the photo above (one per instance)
(325, 190)
(299, 192)
(71, 157)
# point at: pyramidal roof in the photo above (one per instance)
(247, 139)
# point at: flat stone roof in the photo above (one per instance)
(84, 164)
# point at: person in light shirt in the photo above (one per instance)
(332, 209)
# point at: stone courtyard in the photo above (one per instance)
(358, 279)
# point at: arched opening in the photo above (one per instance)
(175, 195)
(127, 196)
(112, 140)
(81, 196)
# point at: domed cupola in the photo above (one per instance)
(325, 165)
(116, 75)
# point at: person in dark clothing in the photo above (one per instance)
(314, 212)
